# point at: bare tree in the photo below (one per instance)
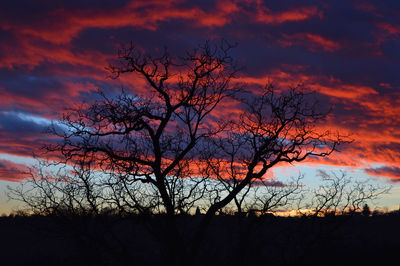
(340, 194)
(271, 196)
(260, 195)
(164, 150)
(273, 128)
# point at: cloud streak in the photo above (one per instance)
(13, 172)
(392, 172)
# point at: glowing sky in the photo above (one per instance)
(53, 54)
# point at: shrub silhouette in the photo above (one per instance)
(366, 211)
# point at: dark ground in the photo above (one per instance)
(230, 240)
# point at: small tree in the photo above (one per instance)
(366, 211)
(341, 194)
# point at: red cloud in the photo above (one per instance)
(369, 117)
(389, 28)
(326, 85)
(32, 54)
(364, 6)
(22, 146)
(384, 31)
(392, 172)
(265, 15)
(14, 172)
(63, 25)
(50, 101)
(311, 41)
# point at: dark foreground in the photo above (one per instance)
(231, 240)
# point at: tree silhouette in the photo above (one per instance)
(165, 150)
(365, 210)
(340, 194)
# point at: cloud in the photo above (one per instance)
(62, 25)
(23, 134)
(392, 172)
(270, 183)
(390, 29)
(364, 6)
(265, 15)
(13, 172)
(313, 42)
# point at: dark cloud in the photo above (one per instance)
(23, 124)
(22, 83)
(270, 183)
(392, 172)
(12, 171)
(23, 134)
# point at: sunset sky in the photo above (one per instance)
(53, 54)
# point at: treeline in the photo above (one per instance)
(230, 240)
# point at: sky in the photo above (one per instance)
(53, 55)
